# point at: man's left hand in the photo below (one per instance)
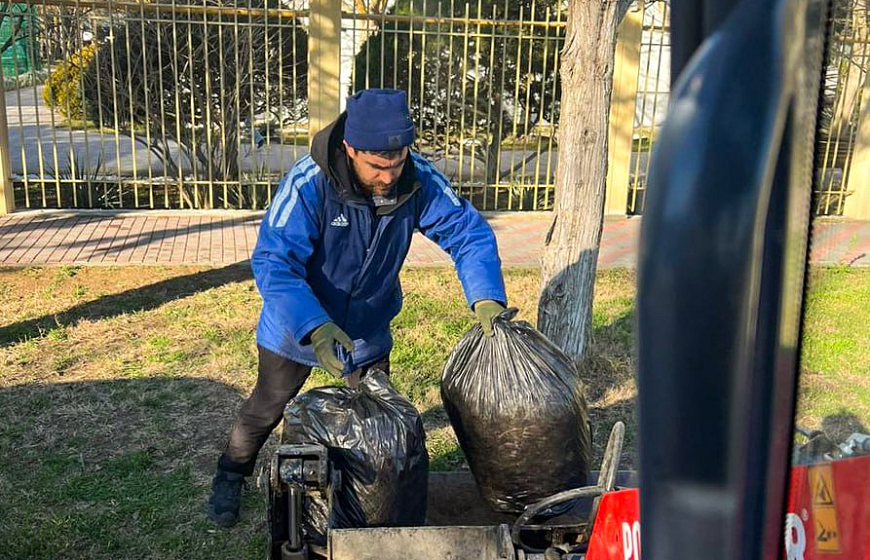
(487, 310)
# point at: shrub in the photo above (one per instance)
(63, 89)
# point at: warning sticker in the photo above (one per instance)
(822, 485)
(827, 534)
(824, 509)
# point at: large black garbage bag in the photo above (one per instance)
(377, 447)
(516, 404)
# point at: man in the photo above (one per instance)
(327, 265)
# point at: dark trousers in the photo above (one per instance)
(278, 380)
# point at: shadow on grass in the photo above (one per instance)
(137, 299)
(608, 364)
(608, 371)
(120, 468)
(435, 418)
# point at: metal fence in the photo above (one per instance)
(653, 89)
(205, 103)
(176, 105)
(159, 106)
(483, 83)
(845, 94)
(841, 185)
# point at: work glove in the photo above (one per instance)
(487, 310)
(324, 338)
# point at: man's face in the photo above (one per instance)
(377, 175)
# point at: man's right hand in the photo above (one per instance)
(324, 338)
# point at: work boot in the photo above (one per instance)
(226, 496)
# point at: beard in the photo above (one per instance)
(372, 188)
(378, 189)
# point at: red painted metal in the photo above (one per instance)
(829, 511)
(616, 533)
(828, 516)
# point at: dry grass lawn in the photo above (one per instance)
(118, 387)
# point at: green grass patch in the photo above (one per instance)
(835, 388)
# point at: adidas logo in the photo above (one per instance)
(340, 221)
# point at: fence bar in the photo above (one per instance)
(524, 186)
(463, 108)
(282, 164)
(27, 203)
(88, 164)
(194, 126)
(136, 201)
(251, 93)
(516, 111)
(438, 66)
(551, 172)
(206, 103)
(422, 73)
(117, 124)
(161, 96)
(58, 203)
(7, 196)
(543, 102)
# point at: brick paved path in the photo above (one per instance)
(219, 238)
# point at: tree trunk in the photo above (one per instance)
(571, 247)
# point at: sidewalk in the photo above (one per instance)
(221, 238)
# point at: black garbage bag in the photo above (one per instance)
(377, 448)
(516, 404)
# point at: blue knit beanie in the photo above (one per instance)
(378, 120)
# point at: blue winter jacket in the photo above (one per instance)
(326, 253)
